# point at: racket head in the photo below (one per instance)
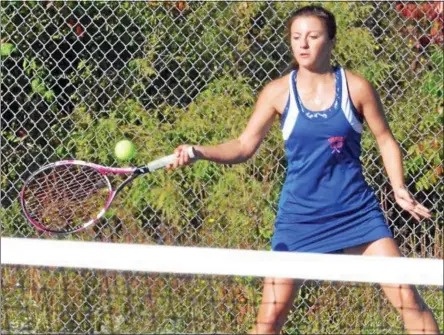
(67, 196)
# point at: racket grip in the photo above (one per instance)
(167, 160)
(190, 151)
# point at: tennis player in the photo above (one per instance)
(325, 204)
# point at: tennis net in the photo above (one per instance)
(55, 286)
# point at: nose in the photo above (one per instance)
(304, 43)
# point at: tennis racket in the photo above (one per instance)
(71, 195)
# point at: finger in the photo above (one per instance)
(423, 208)
(416, 216)
(178, 150)
(424, 213)
(181, 158)
(176, 162)
(186, 157)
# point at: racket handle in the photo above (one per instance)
(190, 151)
(167, 160)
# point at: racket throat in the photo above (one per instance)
(141, 170)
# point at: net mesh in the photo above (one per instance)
(174, 298)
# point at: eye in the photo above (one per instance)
(314, 36)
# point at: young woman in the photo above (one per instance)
(325, 204)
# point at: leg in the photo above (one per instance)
(417, 317)
(277, 299)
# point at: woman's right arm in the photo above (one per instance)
(242, 148)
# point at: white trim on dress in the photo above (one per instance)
(293, 110)
(346, 106)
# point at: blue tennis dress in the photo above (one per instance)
(325, 204)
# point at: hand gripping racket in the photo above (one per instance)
(69, 196)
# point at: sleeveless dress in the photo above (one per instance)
(325, 204)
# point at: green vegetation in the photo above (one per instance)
(79, 76)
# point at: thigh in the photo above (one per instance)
(383, 247)
(401, 296)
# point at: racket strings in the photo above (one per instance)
(66, 196)
(74, 193)
(69, 179)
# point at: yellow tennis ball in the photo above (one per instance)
(125, 150)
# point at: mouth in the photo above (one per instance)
(304, 55)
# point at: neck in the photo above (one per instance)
(323, 69)
(310, 75)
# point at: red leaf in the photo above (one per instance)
(406, 13)
(79, 30)
(180, 5)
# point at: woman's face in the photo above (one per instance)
(310, 42)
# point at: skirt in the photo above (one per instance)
(329, 237)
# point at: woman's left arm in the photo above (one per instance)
(369, 104)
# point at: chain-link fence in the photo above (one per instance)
(76, 77)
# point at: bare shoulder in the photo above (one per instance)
(358, 83)
(360, 89)
(276, 93)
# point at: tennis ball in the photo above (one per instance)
(125, 150)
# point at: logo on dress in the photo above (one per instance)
(336, 144)
(315, 115)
